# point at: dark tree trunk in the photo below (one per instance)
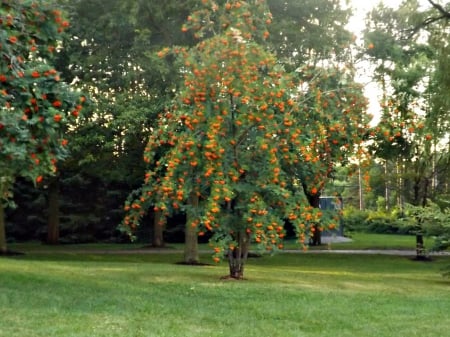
(426, 183)
(158, 229)
(238, 256)
(191, 255)
(314, 201)
(316, 238)
(420, 248)
(416, 189)
(3, 246)
(53, 212)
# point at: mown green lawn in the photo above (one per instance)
(74, 294)
(359, 241)
(381, 241)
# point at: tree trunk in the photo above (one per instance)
(314, 201)
(158, 229)
(416, 189)
(53, 212)
(238, 256)
(316, 239)
(420, 248)
(360, 189)
(386, 186)
(3, 246)
(426, 184)
(191, 255)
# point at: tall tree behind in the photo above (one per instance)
(309, 32)
(438, 114)
(413, 122)
(36, 107)
(311, 40)
(112, 55)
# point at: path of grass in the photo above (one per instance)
(286, 295)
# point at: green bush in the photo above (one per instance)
(378, 222)
(354, 220)
(432, 220)
(381, 223)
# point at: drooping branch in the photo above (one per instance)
(443, 15)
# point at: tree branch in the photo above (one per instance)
(444, 15)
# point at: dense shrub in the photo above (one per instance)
(377, 222)
(354, 220)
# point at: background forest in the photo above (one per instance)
(392, 176)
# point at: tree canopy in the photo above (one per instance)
(225, 150)
(36, 107)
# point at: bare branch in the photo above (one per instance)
(444, 15)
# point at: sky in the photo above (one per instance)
(360, 9)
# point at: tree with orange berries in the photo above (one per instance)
(334, 109)
(317, 48)
(35, 105)
(226, 150)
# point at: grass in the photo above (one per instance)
(360, 241)
(364, 241)
(382, 241)
(310, 295)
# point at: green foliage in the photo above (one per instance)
(112, 55)
(313, 30)
(36, 107)
(225, 138)
(379, 222)
(433, 221)
(354, 219)
(82, 217)
(412, 134)
(236, 136)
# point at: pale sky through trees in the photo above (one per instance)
(362, 7)
(357, 24)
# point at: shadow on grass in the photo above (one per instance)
(130, 257)
(9, 253)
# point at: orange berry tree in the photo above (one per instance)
(334, 111)
(225, 151)
(35, 105)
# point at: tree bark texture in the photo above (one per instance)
(420, 248)
(238, 256)
(158, 229)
